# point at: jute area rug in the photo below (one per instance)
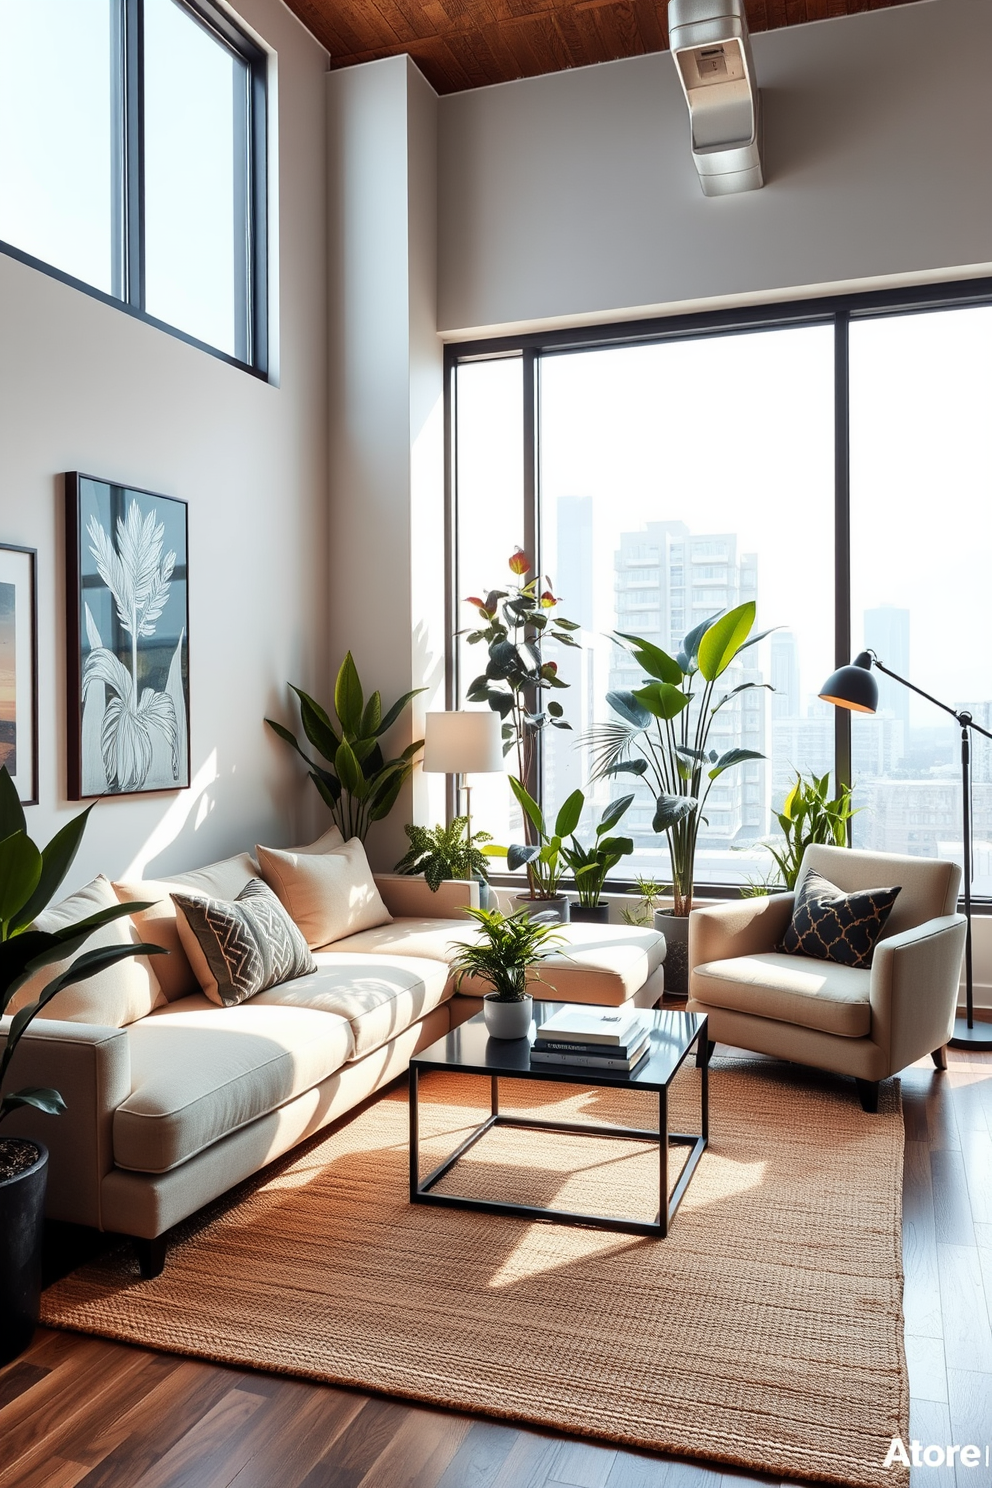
(765, 1332)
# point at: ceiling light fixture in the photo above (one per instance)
(712, 51)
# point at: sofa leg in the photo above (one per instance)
(151, 1256)
(939, 1057)
(704, 1052)
(868, 1094)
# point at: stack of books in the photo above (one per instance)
(594, 1038)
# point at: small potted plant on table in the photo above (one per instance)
(590, 865)
(506, 950)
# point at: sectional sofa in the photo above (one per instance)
(173, 1099)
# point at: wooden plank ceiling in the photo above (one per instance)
(461, 44)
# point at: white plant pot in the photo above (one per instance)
(508, 1020)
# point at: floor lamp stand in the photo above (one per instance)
(967, 1033)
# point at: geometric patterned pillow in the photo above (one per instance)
(830, 925)
(242, 947)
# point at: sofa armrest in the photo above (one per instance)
(741, 928)
(91, 1067)
(914, 989)
(407, 895)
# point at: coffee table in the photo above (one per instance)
(469, 1050)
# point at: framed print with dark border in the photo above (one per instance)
(19, 668)
(127, 632)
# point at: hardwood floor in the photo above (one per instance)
(87, 1413)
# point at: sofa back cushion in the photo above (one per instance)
(113, 998)
(157, 925)
(329, 895)
(240, 947)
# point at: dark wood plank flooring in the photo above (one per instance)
(81, 1412)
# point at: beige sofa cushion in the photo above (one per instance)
(329, 895)
(158, 926)
(199, 1071)
(790, 989)
(113, 998)
(379, 995)
(604, 964)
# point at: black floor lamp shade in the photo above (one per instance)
(852, 686)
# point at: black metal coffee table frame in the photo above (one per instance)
(511, 1060)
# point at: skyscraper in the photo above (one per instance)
(785, 674)
(887, 634)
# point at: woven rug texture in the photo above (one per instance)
(765, 1332)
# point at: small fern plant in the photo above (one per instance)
(445, 852)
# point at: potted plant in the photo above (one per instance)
(649, 892)
(808, 816)
(508, 947)
(662, 735)
(446, 852)
(545, 858)
(590, 865)
(29, 877)
(357, 783)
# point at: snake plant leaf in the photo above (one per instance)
(662, 699)
(670, 810)
(349, 700)
(568, 817)
(629, 709)
(11, 811)
(20, 873)
(653, 660)
(733, 757)
(721, 642)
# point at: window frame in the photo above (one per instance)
(128, 270)
(840, 311)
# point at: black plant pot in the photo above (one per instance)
(22, 1209)
(675, 929)
(589, 914)
(558, 907)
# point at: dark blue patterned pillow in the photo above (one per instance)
(829, 925)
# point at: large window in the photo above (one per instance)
(827, 463)
(132, 160)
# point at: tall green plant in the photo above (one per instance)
(807, 816)
(544, 859)
(357, 783)
(29, 877)
(663, 731)
(516, 621)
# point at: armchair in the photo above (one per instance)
(866, 1023)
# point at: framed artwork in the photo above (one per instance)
(127, 631)
(19, 669)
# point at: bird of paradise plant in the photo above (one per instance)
(138, 576)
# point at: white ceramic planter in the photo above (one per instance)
(508, 1020)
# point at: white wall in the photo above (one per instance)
(386, 587)
(573, 197)
(83, 386)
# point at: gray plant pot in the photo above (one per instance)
(22, 1209)
(675, 929)
(508, 1020)
(559, 907)
(589, 914)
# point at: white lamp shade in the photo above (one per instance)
(463, 743)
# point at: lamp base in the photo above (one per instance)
(976, 1038)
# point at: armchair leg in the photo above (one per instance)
(868, 1095)
(939, 1057)
(150, 1256)
(704, 1052)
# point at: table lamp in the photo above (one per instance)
(463, 744)
(853, 687)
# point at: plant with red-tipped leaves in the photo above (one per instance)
(516, 622)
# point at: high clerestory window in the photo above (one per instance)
(827, 460)
(132, 161)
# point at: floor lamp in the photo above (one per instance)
(855, 688)
(462, 744)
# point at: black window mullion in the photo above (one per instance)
(258, 279)
(118, 150)
(134, 155)
(242, 218)
(532, 531)
(842, 537)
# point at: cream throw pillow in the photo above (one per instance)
(157, 926)
(330, 895)
(113, 998)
